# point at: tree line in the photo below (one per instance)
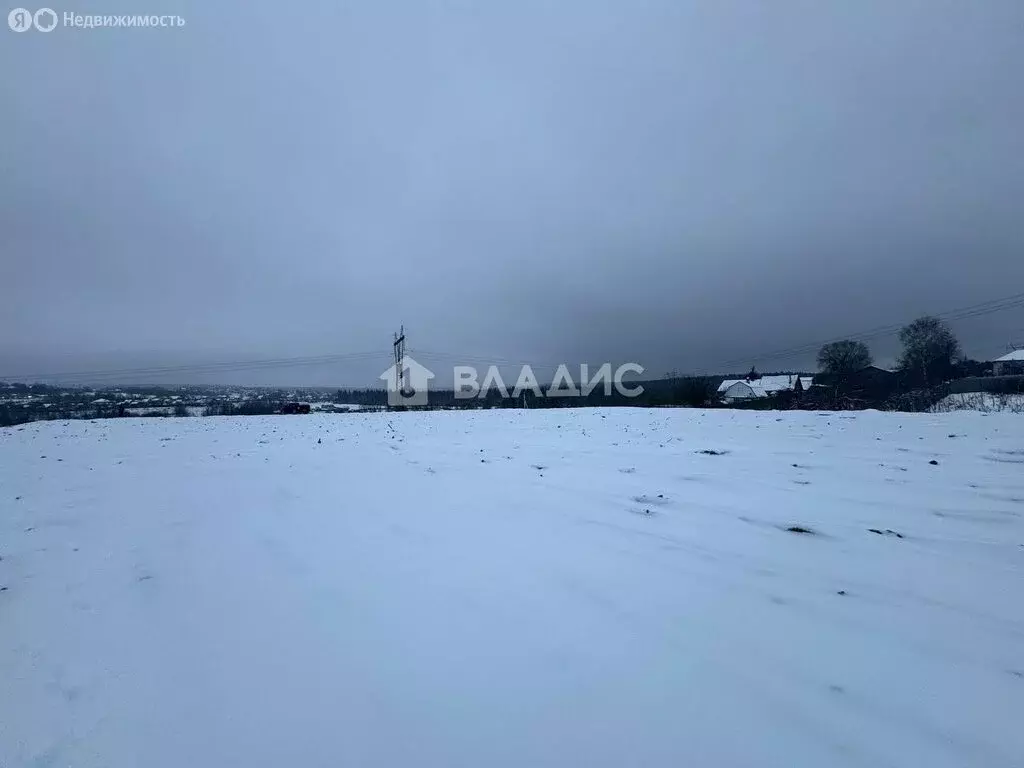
(931, 354)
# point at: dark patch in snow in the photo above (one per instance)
(801, 529)
(712, 452)
(628, 470)
(802, 482)
(539, 467)
(934, 463)
(1002, 497)
(841, 592)
(886, 532)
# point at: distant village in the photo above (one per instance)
(20, 403)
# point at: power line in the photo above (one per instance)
(962, 313)
(488, 359)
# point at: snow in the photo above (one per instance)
(980, 401)
(514, 588)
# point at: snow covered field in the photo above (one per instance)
(514, 588)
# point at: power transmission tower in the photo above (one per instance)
(399, 348)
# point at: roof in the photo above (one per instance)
(742, 386)
(1017, 354)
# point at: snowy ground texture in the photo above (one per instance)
(514, 588)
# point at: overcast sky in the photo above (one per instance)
(686, 184)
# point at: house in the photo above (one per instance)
(755, 387)
(1009, 364)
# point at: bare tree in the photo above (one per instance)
(929, 349)
(845, 356)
